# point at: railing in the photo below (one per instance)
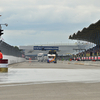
(57, 44)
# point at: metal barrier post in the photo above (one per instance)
(4, 65)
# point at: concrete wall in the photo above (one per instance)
(13, 59)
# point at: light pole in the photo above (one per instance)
(3, 24)
(2, 30)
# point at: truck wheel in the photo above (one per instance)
(55, 62)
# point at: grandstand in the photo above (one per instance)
(13, 54)
(90, 34)
(9, 50)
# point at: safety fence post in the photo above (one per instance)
(3, 65)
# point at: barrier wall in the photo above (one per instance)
(96, 58)
(13, 59)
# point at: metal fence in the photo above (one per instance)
(7, 49)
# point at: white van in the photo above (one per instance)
(40, 57)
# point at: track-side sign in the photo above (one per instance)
(46, 48)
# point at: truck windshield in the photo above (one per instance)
(51, 56)
(39, 56)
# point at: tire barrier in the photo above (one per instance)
(4, 65)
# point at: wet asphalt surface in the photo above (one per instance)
(40, 80)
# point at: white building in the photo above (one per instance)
(62, 49)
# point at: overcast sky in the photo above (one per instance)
(45, 21)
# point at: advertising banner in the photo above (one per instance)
(46, 48)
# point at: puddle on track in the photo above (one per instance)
(40, 76)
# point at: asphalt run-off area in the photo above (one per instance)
(65, 80)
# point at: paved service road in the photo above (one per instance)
(42, 81)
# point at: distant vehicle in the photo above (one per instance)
(45, 58)
(52, 56)
(40, 57)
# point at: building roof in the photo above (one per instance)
(90, 34)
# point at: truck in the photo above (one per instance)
(52, 56)
(40, 57)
